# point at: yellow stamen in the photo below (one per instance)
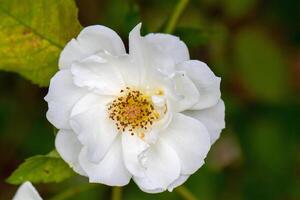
(133, 111)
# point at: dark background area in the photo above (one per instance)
(253, 45)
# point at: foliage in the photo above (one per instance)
(32, 34)
(41, 169)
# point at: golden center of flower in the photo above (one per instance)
(132, 111)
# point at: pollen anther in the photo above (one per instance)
(132, 111)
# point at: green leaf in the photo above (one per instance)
(41, 169)
(32, 34)
(261, 66)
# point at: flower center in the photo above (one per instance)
(132, 111)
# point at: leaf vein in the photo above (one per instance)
(5, 12)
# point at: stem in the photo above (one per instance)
(116, 193)
(73, 191)
(185, 193)
(181, 5)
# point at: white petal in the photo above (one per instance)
(213, 118)
(91, 40)
(97, 74)
(158, 100)
(182, 94)
(170, 45)
(136, 45)
(178, 182)
(133, 147)
(61, 97)
(88, 101)
(111, 170)
(145, 55)
(162, 168)
(68, 147)
(153, 135)
(95, 130)
(27, 192)
(190, 139)
(71, 52)
(129, 70)
(206, 82)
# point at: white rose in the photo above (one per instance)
(27, 192)
(150, 114)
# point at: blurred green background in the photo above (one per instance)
(253, 45)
